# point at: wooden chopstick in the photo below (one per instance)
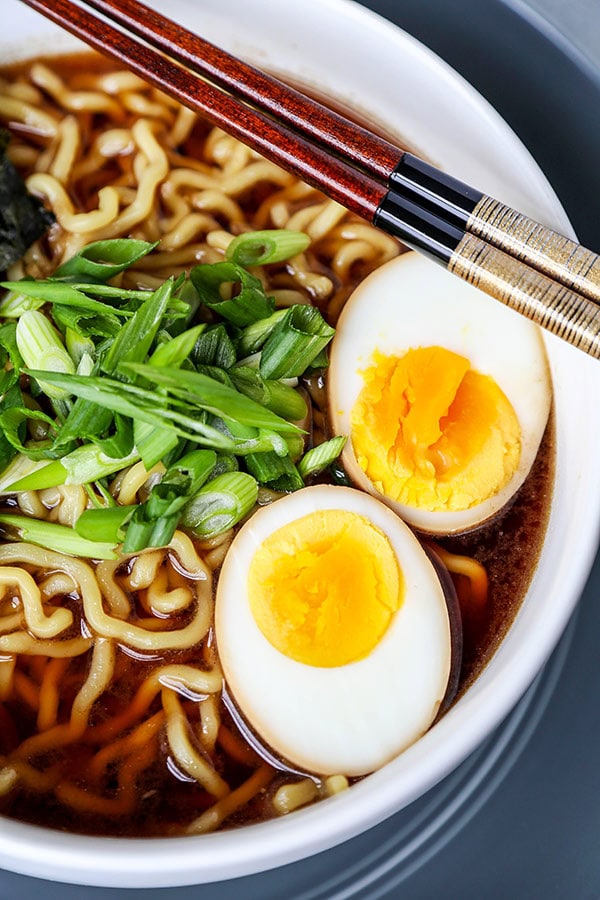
(337, 178)
(357, 145)
(542, 274)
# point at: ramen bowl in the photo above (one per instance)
(442, 118)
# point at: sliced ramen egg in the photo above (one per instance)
(443, 393)
(333, 631)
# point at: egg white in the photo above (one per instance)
(411, 302)
(348, 719)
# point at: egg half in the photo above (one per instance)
(443, 393)
(333, 631)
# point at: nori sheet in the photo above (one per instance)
(23, 217)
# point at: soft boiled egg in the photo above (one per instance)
(443, 392)
(333, 631)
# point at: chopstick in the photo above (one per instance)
(540, 273)
(355, 144)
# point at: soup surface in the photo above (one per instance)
(101, 731)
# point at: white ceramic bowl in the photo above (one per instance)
(367, 66)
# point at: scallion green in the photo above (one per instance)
(105, 524)
(55, 537)
(248, 305)
(277, 472)
(255, 335)
(295, 342)
(220, 504)
(14, 304)
(214, 347)
(281, 399)
(318, 458)
(102, 260)
(260, 248)
(41, 346)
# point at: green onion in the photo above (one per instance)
(41, 347)
(209, 394)
(18, 467)
(85, 323)
(147, 406)
(255, 335)
(102, 260)
(135, 338)
(90, 462)
(154, 522)
(12, 421)
(153, 443)
(226, 462)
(286, 401)
(15, 304)
(86, 365)
(281, 399)
(318, 458)
(79, 346)
(321, 360)
(295, 342)
(295, 446)
(120, 443)
(278, 472)
(55, 537)
(187, 297)
(11, 399)
(66, 295)
(90, 416)
(85, 464)
(106, 524)
(247, 306)
(87, 419)
(261, 441)
(214, 348)
(176, 350)
(259, 248)
(8, 341)
(220, 504)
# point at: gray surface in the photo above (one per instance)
(536, 836)
(577, 20)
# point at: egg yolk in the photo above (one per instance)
(324, 588)
(430, 432)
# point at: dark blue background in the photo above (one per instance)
(537, 835)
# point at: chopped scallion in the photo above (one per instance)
(209, 394)
(318, 458)
(154, 522)
(279, 398)
(176, 350)
(278, 472)
(55, 537)
(220, 504)
(83, 465)
(254, 336)
(41, 347)
(15, 304)
(259, 248)
(295, 342)
(105, 524)
(214, 347)
(244, 307)
(102, 260)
